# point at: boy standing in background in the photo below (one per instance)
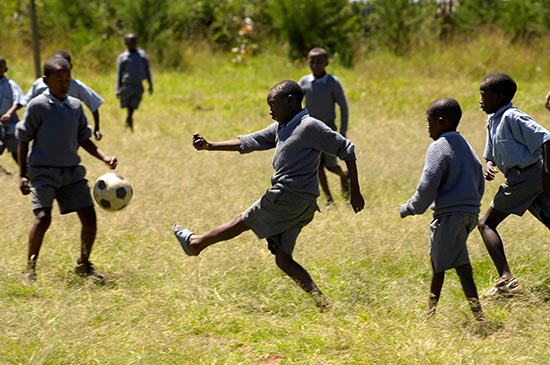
(132, 68)
(322, 90)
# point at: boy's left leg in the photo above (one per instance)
(466, 277)
(88, 233)
(300, 276)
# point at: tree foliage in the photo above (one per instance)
(94, 28)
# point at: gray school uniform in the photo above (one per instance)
(78, 90)
(290, 203)
(321, 95)
(56, 128)
(514, 143)
(10, 93)
(452, 184)
(132, 69)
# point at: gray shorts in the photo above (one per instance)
(67, 185)
(522, 190)
(279, 216)
(130, 95)
(448, 236)
(10, 143)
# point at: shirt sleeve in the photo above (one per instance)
(18, 97)
(259, 141)
(340, 98)
(25, 130)
(88, 96)
(426, 192)
(527, 132)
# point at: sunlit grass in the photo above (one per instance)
(232, 305)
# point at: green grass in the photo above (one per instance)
(232, 305)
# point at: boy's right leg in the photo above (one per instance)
(223, 232)
(129, 118)
(42, 221)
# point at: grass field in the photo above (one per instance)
(232, 305)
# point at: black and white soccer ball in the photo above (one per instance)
(112, 191)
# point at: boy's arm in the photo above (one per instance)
(93, 150)
(547, 101)
(97, 133)
(8, 114)
(490, 170)
(200, 143)
(22, 151)
(546, 168)
(342, 102)
(356, 198)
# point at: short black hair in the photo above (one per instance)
(287, 87)
(446, 108)
(63, 54)
(318, 51)
(500, 83)
(53, 64)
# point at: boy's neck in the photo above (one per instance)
(320, 75)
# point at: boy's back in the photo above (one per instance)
(452, 178)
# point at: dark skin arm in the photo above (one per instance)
(22, 150)
(546, 168)
(93, 150)
(97, 133)
(490, 171)
(356, 198)
(200, 143)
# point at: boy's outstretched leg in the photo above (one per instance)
(42, 221)
(87, 238)
(193, 244)
(506, 284)
(466, 277)
(297, 273)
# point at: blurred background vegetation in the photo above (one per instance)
(93, 29)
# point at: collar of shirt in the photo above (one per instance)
(499, 112)
(52, 99)
(3, 79)
(323, 79)
(295, 120)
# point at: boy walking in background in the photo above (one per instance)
(131, 69)
(290, 203)
(11, 100)
(452, 184)
(78, 90)
(57, 127)
(519, 148)
(322, 90)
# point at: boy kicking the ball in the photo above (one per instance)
(290, 203)
(452, 184)
(57, 127)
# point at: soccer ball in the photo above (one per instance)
(112, 191)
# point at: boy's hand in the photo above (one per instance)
(24, 186)
(199, 142)
(490, 171)
(97, 135)
(111, 161)
(5, 118)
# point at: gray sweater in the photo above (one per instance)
(298, 145)
(452, 181)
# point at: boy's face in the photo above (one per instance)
(490, 101)
(279, 107)
(59, 83)
(131, 43)
(317, 64)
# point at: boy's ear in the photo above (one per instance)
(45, 79)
